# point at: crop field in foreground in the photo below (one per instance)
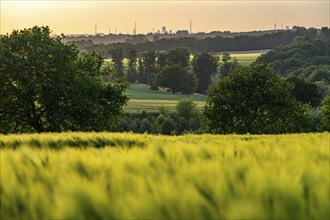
(130, 176)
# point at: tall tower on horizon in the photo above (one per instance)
(95, 29)
(190, 28)
(134, 30)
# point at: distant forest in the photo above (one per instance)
(216, 44)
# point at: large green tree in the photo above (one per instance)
(149, 66)
(131, 72)
(117, 59)
(44, 86)
(177, 79)
(204, 65)
(228, 64)
(305, 92)
(253, 100)
(178, 56)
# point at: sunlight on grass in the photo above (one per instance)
(130, 176)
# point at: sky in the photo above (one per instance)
(81, 16)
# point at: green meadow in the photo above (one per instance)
(142, 98)
(246, 59)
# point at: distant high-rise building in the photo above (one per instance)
(164, 30)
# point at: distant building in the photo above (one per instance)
(164, 30)
(182, 32)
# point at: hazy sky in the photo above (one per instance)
(80, 16)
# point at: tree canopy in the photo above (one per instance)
(204, 65)
(253, 100)
(45, 86)
(177, 79)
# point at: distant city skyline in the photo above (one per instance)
(81, 17)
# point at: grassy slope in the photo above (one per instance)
(127, 176)
(143, 98)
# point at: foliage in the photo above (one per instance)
(315, 74)
(177, 79)
(305, 92)
(161, 61)
(306, 62)
(131, 72)
(325, 108)
(204, 65)
(45, 86)
(253, 100)
(117, 58)
(188, 83)
(149, 67)
(141, 73)
(302, 53)
(187, 109)
(183, 120)
(229, 64)
(130, 176)
(178, 56)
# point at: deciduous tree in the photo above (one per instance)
(177, 79)
(253, 100)
(44, 86)
(204, 65)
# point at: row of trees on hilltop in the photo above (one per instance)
(216, 44)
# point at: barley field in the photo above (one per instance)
(131, 176)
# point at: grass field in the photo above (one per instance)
(143, 98)
(129, 176)
(246, 59)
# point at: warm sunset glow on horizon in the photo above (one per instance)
(80, 17)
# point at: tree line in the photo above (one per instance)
(213, 44)
(306, 64)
